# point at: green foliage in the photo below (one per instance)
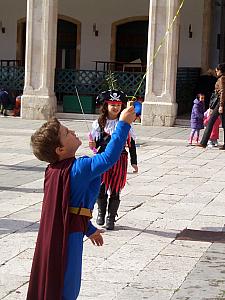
(110, 82)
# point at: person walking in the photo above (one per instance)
(219, 108)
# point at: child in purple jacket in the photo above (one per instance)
(197, 116)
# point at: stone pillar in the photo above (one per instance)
(160, 107)
(38, 100)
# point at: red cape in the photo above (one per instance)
(47, 273)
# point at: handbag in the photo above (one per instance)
(214, 99)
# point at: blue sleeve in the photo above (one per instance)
(98, 164)
(197, 111)
(91, 229)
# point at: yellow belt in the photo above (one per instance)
(81, 211)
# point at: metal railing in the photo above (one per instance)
(91, 82)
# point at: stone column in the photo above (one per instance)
(160, 107)
(38, 100)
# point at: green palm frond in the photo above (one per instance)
(110, 82)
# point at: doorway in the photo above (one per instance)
(21, 41)
(132, 41)
(68, 40)
(66, 45)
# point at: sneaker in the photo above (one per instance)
(216, 144)
(210, 144)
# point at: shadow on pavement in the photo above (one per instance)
(153, 232)
(10, 226)
(22, 190)
(23, 168)
(201, 235)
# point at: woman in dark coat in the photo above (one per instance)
(219, 108)
(197, 116)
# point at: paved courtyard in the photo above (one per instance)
(177, 187)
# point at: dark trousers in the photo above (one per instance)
(215, 114)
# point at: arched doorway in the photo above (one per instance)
(68, 42)
(66, 45)
(129, 39)
(21, 41)
(132, 41)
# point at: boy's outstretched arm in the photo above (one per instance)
(103, 161)
(100, 163)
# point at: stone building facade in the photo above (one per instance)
(190, 42)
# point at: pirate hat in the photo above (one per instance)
(112, 97)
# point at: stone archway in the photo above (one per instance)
(21, 40)
(118, 51)
(132, 41)
(71, 47)
(68, 42)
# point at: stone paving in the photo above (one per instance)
(177, 187)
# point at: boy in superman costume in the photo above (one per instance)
(71, 188)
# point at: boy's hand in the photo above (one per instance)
(97, 238)
(92, 144)
(128, 115)
(135, 167)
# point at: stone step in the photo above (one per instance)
(182, 122)
(75, 116)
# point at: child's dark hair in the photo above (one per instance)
(104, 114)
(45, 141)
(199, 95)
(221, 67)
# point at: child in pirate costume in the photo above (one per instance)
(71, 188)
(113, 180)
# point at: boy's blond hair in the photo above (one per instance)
(45, 141)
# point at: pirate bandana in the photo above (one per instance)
(112, 97)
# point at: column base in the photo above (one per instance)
(159, 114)
(37, 107)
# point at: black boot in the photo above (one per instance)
(114, 203)
(102, 204)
